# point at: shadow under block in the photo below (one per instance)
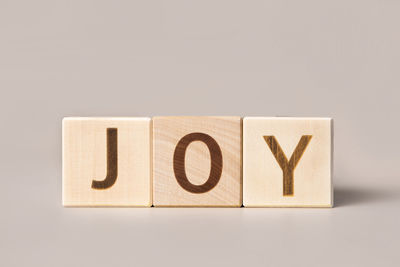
(106, 162)
(197, 161)
(287, 162)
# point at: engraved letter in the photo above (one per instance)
(287, 166)
(112, 161)
(179, 163)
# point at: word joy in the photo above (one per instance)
(197, 162)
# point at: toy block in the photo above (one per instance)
(197, 161)
(107, 162)
(287, 162)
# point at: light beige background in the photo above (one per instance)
(335, 59)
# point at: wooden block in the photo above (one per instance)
(106, 162)
(197, 161)
(287, 162)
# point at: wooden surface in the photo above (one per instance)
(106, 162)
(184, 174)
(278, 147)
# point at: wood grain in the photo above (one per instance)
(270, 179)
(197, 161)
(106, 162)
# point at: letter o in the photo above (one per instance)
(216, 163)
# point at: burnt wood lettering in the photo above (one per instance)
(287, 166)
(112, 161)
(179, 163)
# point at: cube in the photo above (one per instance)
(107, 162)
(197, 161)
(287, 162)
